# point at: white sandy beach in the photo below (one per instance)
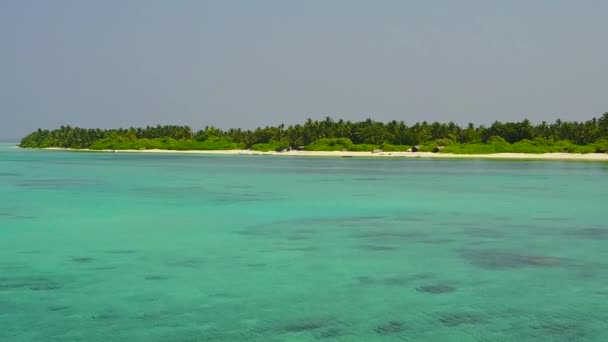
(525, 156)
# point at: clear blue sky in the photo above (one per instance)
(248, 63)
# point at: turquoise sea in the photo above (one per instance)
(157, 247)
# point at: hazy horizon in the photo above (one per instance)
(240, 64)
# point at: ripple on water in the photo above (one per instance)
(391, 235)
(56, 183)
(600, 233)
(10, 174)
(492, 259)
(186, 263)
(120, 251)
(301, 249)
(377, 248)
(399, 280)
(303, 225)
(30, 283)
(487, 233)
(15, 215)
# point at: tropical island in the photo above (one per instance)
(588, 137)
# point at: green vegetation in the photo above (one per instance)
(329, 135)
(164, 143)
(269, 147)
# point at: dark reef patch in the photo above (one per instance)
(57, 308)
(407, 219)
(560, 329)
(396, 281)
(224, 295)
(301, 249)
(156, 315)
(226, 198)
(106, 316)
(46, 286)
(332, 333)
(15, 215)
(82, 260)
(390, 328)
(105, 268)
(557, 328)
(365, 280)
(455, 319)
(552, 219)
(308, 226)
(156, 277)
(404, 280)
(436, 289)
(491, 259)
(322, 328)
(484, 233)
(377, 248)
(56, 183)
(304, 326)
(186, 263)
(31, 283)
(390, 235)
(600, 233)
(436, 241)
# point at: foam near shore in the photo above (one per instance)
(544, 156)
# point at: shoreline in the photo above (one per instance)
(348, 154)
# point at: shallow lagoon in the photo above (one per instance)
(145, 247)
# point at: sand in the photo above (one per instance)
(525, 156)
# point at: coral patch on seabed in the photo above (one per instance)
(390, 328)
(455, 319)
(186, 263)
(33, 283)
(58, 308)
(82, 260)
(436, 289)
(491, 259)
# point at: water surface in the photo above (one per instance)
(143, 247)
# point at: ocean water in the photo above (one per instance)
(144, 247)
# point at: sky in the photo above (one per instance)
(228, 63)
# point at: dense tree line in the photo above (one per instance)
(368, 132)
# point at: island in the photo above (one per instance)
(346, 138)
